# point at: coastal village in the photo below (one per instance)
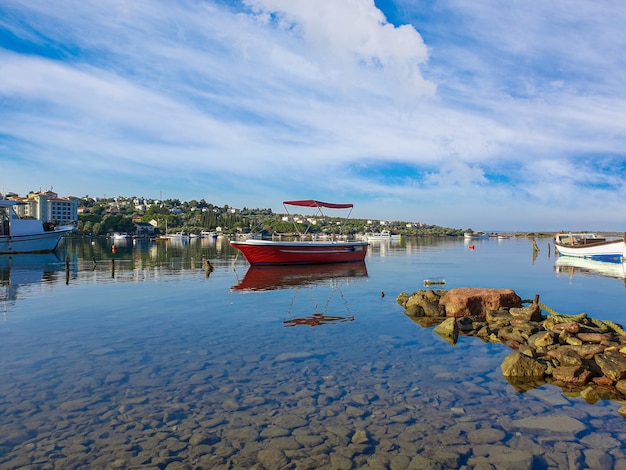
(144, 217)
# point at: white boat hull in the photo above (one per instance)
(590, 247)
(35, 243)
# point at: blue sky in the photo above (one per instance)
(448, 112)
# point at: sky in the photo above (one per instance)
(446, 112)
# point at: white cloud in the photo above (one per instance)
(511, 106)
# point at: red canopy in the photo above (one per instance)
(314, 203)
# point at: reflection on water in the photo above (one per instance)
(317, 319)
(27, 270)
(330, 276)
(570, 266)
(261, 278)
(142, 361)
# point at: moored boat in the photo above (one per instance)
(258, 252)
(475, 235)
(19, 235)
(589, 245)
(383, 235)
(120, 236)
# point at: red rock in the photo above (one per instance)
(570, 327)
(467, 302)
(602, 381)
(594, 337)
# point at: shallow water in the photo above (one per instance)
(144, 359)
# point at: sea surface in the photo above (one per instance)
(180, 356)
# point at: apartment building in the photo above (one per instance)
(48, 207)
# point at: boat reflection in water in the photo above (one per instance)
(27, 270)
(272, 277)
(268, 278)
(570, 265)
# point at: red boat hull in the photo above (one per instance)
(271, 252)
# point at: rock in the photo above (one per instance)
(530, 313)
(612, 364)
(546, 349)
(508, 333)
(448, 330)
(569, 327)
(520, 365)
(501, 317)
(571, 374)
(566, 356)
(485, 436)
(590, 395)
(554, 423)
(587, 351)
(541, 339)
(594, 337)
(424, 303)
(465, 302)
(360, 437)
(290, 421)
(272, 459)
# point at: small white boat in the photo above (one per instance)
(208, 234)
(382, 235)
(19, 235)
(589, 245)
(178, 236)
(120, 236)
(475, 235)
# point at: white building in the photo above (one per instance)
(48, 207)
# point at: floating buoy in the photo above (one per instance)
(471, 247)
(114, 249)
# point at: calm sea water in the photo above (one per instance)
(143, 359)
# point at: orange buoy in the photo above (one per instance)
(114, 249)
(471, 247)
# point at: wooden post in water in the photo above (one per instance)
(535, 247)
(67, 269)
(209, 268)
(112, 268)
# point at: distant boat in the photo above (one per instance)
(208, 234)
(475, 235)
(119, 236)
(382, 235)
(259, 252)
(182, 236)
(19, 235)
(589, 245)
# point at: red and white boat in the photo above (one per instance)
(259, 252)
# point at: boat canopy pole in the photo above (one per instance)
(318, 205)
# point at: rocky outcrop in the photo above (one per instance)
(469, 302)
(571, 351)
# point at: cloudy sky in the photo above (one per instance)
(449, 112)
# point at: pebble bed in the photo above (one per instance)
(141, 399)
(177, 374)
